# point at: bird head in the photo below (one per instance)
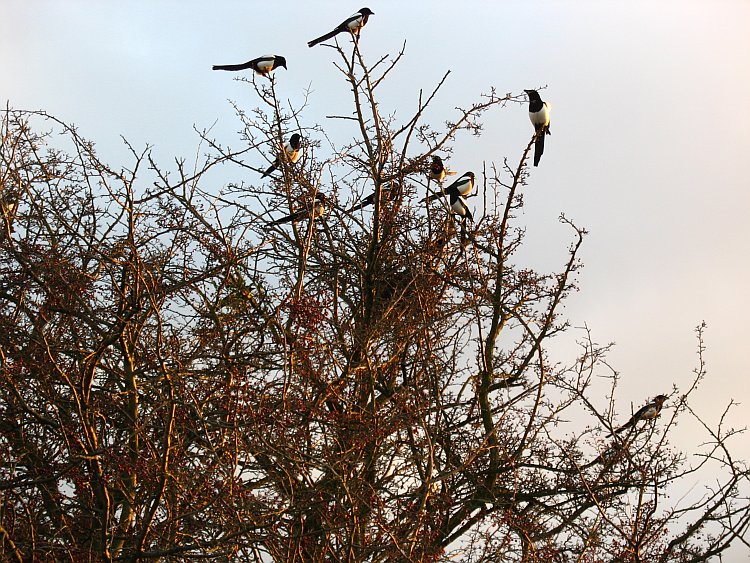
(533, 95)
(660, 399)
(295, 140)
(366, 12)
(281, 61)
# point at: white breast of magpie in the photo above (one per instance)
(540, 118)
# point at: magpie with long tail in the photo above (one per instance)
(292, 149)
(647, 412)
(464, 185)
(353, 24)
(388, 192)
(316, 209)
(262, 65)
(539, 115)
(438, 171)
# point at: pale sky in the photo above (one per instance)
(650, 132)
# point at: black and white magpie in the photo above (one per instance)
(388, 192)
(352, 24)
(316, 209)
(539, 115)
(262, 65)
(438, 171)
(459, 207)
(291, 149)
(462, 186)
(646, 412)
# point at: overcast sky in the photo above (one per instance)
(650, 133)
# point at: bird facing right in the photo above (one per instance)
(262, 65)
(353, 24)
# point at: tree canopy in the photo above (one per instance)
(186, 376)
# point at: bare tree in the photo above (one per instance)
(186, 376)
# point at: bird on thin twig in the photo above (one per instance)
(539, 115)
(316, 209)
(291, 149)
(647, 412)
(262, 65)
(353, 24)
(438, 171)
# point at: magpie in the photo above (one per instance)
(438, 171)
(292, 151)
(352, 24)
(315, 210)
(539, 115)
(262, 65)
(463, 186)
(459, 207)
(388, 192)
(646, 412)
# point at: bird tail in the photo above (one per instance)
(229, 67)
(269, 170)
(625, 426)
(288, 219)
(538, 146)
(322, 38)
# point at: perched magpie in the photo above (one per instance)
(388, 192)
(438, 171)
(292, 151)
(262, 65)
(352, 24)
(459, 207)
(463, 186)
(315, 210)
(539, 115)
(646, 412)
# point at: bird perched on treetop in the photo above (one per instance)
(462, 186)
(352, 24)
(316, 209)
(262, 65)
(646, 412)
(539, 115)
(388, 192)
(292, 151)
(438, 171)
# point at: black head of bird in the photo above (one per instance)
(280, 61)
(533, 95)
